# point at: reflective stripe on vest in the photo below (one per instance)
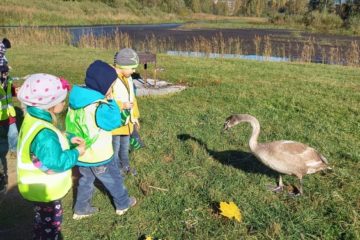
(99, 142)
(34, 184)
(6, 105)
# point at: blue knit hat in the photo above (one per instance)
(100, 76)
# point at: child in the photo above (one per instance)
(93, 114)
(125, 63)
(8, 129)
(5, 44)
(44, 159)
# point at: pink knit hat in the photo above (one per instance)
(43, 90)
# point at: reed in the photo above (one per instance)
(323, 55)
(335, 55)
(257, 43)
(353, 54)
(308, 51)
(23, 36)
(238, 46)
(267, 47)
(301, 51)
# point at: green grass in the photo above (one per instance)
(188, 154)
(58, 12)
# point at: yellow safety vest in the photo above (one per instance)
(98, 141)
(34, 184)
(6, 103)
(123, 91)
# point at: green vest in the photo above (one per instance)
(34, 184)
(6, 104)
(81, 122)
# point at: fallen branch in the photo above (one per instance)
(157, 188)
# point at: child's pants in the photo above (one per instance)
(48, 218)
(109, 175)
(121, 144)
(8, 141)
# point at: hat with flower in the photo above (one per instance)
(43, 90)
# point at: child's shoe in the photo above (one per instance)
(131, 204)
(92, 211)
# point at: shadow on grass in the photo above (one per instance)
(16, 216)
(244, 161)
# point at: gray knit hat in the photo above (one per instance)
(126, 58)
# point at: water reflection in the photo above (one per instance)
(229, 56)
(109, 30)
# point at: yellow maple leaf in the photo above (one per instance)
(230, 210)
(148, 238)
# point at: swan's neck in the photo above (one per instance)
(255, 134)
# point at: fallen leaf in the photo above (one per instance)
(230, 210)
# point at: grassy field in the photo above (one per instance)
(55, 12)
(190, 165)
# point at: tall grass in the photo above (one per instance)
(35, 36)
(58, 13)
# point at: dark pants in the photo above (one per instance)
(48, 219)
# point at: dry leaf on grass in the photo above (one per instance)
(230, 210)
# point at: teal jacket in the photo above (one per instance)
(47, 148)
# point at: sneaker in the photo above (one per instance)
(92, 211)
(131, 204)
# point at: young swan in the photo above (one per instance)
(287, 157)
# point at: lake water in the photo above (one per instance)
(285, 44)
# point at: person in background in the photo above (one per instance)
(125, 63)
(93, 114)
(8, 128)
(4, 45)
(44, 155)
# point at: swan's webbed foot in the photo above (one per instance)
(279, 188)
(276, 189)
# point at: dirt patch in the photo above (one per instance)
(16, 213)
